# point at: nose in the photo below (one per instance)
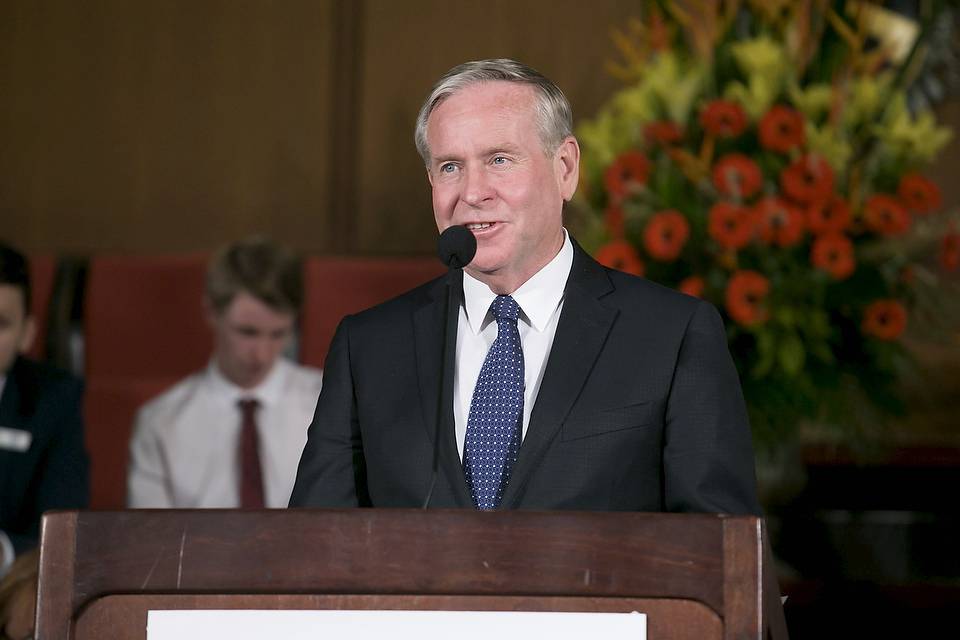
(263, 352)
(477, 188)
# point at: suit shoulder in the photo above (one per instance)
(41, 384)
(639, 291)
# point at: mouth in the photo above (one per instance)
(480, 226)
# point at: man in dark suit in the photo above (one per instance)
(43, 464)
(567, 385)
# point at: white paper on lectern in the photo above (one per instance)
(397, 625)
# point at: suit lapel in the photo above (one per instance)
(428, 333)
(581, 332)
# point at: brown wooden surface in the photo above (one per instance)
(512, 557)
(177, 126)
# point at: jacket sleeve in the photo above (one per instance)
(64, 478)
(332, 470)
(708, 452)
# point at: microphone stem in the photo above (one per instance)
(438, 425)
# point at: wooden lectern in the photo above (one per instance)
(695, 576)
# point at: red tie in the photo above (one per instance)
(251, 478)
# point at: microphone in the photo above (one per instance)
(455, 248)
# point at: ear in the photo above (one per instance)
(28, 335)
(567, 167)
(429, 176)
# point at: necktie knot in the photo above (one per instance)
(248, 407)
(505, 308)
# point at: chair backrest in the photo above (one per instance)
(144, 316)
(110, 405)
(338, 286)
(144, 329)
(43, 269)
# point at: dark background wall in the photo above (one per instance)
(174, 126)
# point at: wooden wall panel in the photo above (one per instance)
(407, 46)
(164, 126)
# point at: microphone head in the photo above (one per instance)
(456, 247)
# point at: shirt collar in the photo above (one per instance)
(266, 393)
(538, 297)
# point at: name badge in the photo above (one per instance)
(15, 439)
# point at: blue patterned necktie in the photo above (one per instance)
(496, 411)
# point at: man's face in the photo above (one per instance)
(16, 327)
(489, 171)
(249, 336)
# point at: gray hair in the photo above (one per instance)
(554, 115)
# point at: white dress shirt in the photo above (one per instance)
(541, 300)
(184, 447)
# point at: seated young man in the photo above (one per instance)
(43, 464)
(42, 454)
(231, 434)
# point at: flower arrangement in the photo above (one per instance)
(763, 156)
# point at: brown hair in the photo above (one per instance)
(256, 266)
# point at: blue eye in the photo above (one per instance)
(447, 167)
(499, 160)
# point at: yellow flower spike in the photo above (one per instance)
(813, 101)
(761, 57)
(917, 139)
(756, 98)
(867, 96)
(828, 143)
(676, 86)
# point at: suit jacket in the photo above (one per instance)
(51, 472)
(640, 407)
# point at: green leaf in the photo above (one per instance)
(791, 355)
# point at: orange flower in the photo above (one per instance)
(884, 319)
(729, 225)
(621, 255)
(746, 296)
(781, 129)
(919, 194)
(808, 180)
(883, 214)
(665, 235)
(692, 286)
(665, 132)
(629, 171)
(723, 118)
(832, 217)
(613, 217)
(737, 176)
(833, 252)
(950, 251)
(779, 222)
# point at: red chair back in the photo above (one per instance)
(144, 316)
(144, 330)
(110, 405)
(43, 269)
(336, 286)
